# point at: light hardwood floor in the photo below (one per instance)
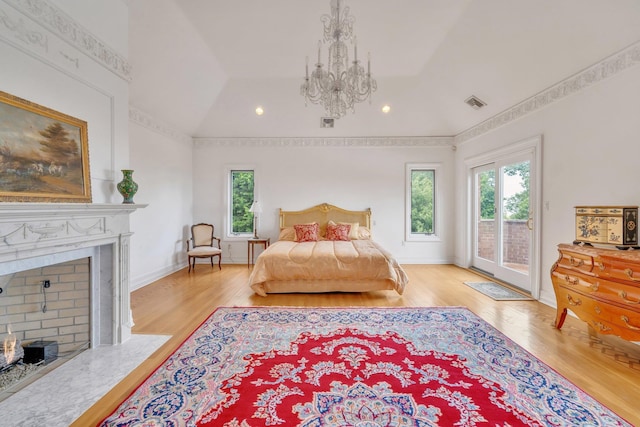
(606, 367)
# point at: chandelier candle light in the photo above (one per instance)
(343, 83)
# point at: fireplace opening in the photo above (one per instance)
(45, 319)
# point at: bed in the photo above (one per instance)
(340, 257)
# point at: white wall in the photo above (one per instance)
(303, 175)
(163, 170)
(590, 157)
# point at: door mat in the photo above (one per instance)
(498, 292)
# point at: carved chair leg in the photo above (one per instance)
(189, 262)
(219, 262)
(211, 262)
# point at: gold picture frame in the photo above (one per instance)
(44, 154)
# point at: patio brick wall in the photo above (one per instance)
(516, 233)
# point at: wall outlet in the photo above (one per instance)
(46, 283)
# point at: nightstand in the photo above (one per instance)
(250, 248)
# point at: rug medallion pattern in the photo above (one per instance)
(360, 367)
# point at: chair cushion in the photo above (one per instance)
(204, 251)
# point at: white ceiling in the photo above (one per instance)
(203, 66)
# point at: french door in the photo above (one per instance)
(503, 218)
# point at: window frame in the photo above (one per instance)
(228, 216)
(416, 237)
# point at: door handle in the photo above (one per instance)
(530, 223)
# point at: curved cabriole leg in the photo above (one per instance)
(560, 316)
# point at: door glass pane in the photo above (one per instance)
(486, 210)
(516, 235)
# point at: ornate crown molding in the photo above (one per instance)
(146, 120)
(20, 30)
(422, 141)
(59, 23)
(604, 69)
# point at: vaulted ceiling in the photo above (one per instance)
(203, 66)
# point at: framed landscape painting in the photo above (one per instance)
(44, 154)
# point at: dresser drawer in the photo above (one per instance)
(619, 270)
(612, 319)
(583, 306)
(617, 292)
(573, 280)
(577, 261)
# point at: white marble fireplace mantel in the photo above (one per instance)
(38, 234)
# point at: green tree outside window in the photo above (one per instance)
(422, 201)
(242, 194)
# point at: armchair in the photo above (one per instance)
(201, 245)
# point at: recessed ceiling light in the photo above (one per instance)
(259, 110)
(386, 109)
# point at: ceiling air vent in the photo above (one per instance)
(475, 102)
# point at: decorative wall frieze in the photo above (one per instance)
(59, 23)
(422, 141)
(21, 31)
(148, 121)
(37, 231)
(604, 69)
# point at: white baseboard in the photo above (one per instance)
(150, 277)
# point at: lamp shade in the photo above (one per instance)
(256, 207)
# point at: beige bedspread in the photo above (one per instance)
(354, 261)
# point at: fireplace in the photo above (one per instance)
(38, 235)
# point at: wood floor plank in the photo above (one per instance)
(606, 367)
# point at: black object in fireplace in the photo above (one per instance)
(38, 351)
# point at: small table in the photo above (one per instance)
(250, 248)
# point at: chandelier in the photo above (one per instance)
(343, 83)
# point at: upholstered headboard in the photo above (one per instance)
(324, 213)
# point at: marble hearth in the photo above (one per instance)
(34, 235)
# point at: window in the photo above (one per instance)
(421, 192)
(241, 196)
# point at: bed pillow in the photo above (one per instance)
(353, 232)
(338, 231)
(287, 233)
(307, 232)
(364, 233)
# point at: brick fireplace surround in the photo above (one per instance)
(37, 235)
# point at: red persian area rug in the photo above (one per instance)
(279, 366)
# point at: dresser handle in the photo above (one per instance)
(571, 280)
(595, 286)
(625, 319)
(601, 266)
(623, 295)
(629, 273)
(572, 302)
(601, 326)
(573, 262)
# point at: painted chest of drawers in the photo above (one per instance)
(601, 286)
(612, 225)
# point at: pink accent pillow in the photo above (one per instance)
(307, 232)
(338, 231)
